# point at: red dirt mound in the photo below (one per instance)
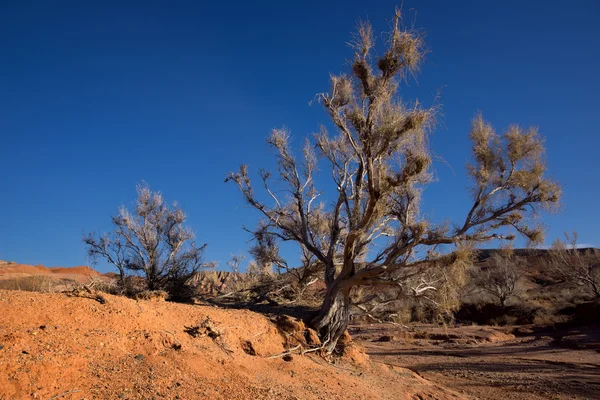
(77, 348)
(11, 270)
(80, 270)
(14, 269)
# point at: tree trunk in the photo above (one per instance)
(334, 315)
(502, 301)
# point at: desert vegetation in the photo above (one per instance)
(368, 253)
(153, 242)
(348, 275)
(379, 161)
(579, 267)
(501, 277)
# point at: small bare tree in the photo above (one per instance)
(500, 277)
(235, 260)
(579, 267)
(152, 241)
(379, 163)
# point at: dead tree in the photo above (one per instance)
(235, 261)
(578, 267)
(379, 162)
(500, 277)
(151, 241)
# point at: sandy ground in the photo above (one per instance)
(57, 347)
(53, 346)
(491, 363)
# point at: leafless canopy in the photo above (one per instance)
(579, 267)
(152, 241)
(379, 162)
(500, 277)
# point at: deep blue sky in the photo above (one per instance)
(97, 96)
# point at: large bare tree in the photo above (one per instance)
(379, 162)
(152, 241)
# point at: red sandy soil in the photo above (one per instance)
(53, 346)
(490, 362)
(10, 270)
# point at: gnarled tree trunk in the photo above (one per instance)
(334, 315)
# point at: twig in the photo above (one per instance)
(65, 393)
(286, 353)
(302, 351)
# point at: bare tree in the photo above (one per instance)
(235, 261)
(579, 267)
(500, 277)
(152, 241)
(379, 163)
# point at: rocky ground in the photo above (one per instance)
(493, 362)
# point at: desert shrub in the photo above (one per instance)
(579, 267)
(153, 243)
(109, 285)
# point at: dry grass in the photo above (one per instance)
(30, 284)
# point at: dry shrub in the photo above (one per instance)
(578, 267)
(151, 241)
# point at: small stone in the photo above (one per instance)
(139, 357)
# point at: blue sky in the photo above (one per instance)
(97, 96)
